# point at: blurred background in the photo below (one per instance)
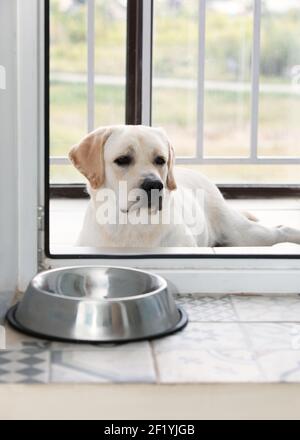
(228, 64)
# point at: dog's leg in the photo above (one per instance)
(250, 216)
(239, 231)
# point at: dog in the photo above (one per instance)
(142, 159)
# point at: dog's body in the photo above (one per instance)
(143, 158)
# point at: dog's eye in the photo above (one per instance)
(159, 160)
(123, 161)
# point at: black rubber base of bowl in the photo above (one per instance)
(11, 318)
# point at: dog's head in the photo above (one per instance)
(140, 156)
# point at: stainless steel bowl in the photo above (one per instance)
(97, 304)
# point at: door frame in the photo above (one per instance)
(209, 274)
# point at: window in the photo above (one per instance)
(226, 82)
(87, 74)
(226, 86)
(221, 76)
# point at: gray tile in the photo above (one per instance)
(107, 365)
(3, 360)
(208, 366)
(32, 361)
(271, 337)
(267, 309)
(207, 309)
(14, 370)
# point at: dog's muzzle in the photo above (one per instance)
(153, 188)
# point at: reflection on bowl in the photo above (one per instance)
(97, 304)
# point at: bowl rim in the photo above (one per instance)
(162, 281)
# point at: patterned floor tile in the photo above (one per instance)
(229, 339)
(271, 337)
(209, 366)
(280, 366)
(204, 336)
(267, 309)
(106, 365)
(27, 366)
(16, 340)
(207, 309)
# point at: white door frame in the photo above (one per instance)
(8, 148)
(203, 276)
(213, 276)
(30, 132)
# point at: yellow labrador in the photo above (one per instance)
(139, 199)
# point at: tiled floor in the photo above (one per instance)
(228, 340)
(67, 219)
(232, 339)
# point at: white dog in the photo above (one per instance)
(142, 160)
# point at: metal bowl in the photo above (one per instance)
(97, 304)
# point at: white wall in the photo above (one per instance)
(8, 149)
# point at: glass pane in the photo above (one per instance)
(229, 36)
(68, 92)
(250, 174)
(65, 174)
(68, 71)
(175, 71)
(67, 116)
(279, 129)
(110, 61)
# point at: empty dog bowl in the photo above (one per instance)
(97, 304)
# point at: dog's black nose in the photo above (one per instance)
(150, 184)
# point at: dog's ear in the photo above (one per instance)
(171, 182)
(88, 156)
